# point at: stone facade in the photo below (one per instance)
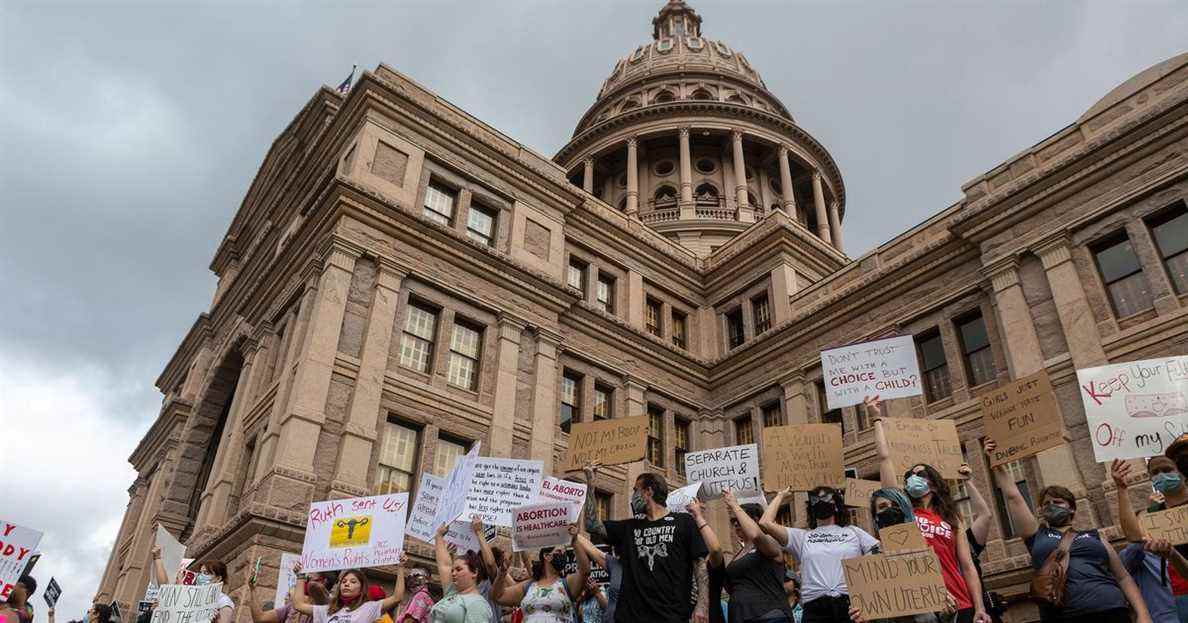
(400, 271)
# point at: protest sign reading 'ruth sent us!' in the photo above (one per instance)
(354, 532)
(611, 442)
(802, 456)
(1022, 418)
(885, 368)
(885, 586)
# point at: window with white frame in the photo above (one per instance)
(480, 224)
(416, 343)
(447, 453)
(397, 462)
(464, 355)
(439, 204)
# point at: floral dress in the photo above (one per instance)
(547, 604)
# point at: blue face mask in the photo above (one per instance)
(1167, 481)
(202, 578)
(916, 486)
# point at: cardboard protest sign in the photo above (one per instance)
(52, 592)
(17, 544)
(354, 533)
(884, 586)
(557, 490)
(1022, 418)
(452, 501)
(611, 442)
(885, 368)
(285, 580)
(420, 520)
(802, 456)
(1135, 409)
(679, 500)
(904, 537)
(461, 536)
(858, 491)
(1168, 525)
(178, 603)
(735, 468)
(540, 525)
(499, 485)
(931, 442)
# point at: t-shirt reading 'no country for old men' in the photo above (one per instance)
(657, 558)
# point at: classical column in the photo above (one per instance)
(212, 512)
(796, 406)
(835, 226)
(544, 403)
(503, 420)
(783, 286)
(819, 203)
(636, 405)
(789, 198)
(359, 432)
(632, 176)
(686, 172)
(635, 299)
(588, 175)
(1080, 328)
(740, 175)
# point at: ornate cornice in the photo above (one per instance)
(1003, 273)
(1054, 251)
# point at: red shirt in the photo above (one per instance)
(939, 534)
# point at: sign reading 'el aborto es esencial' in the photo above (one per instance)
(610, 442)
(1135, 409)
(354, 532)
(913, 442)
(1022, 418)
(802, 456)
(885, 368)
(735, 468)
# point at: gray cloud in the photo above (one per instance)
(132, 130)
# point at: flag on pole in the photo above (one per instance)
(346, 84)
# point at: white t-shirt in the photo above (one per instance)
(820, 552)
(368, 612)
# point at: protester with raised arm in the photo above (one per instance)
(754, 577)
(1158, 568)
(548, 596)
(493, 560)
(461, 602)
(421, 602)
(614, 571)
(1097, 586)
(315, 589)
(662, 554)
(978, 532)
(348, 601)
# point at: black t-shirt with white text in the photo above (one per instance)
(658, 558)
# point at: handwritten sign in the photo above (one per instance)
(678, 500)
(886, 368)
(17, 544)
(420, 520)
(180, 603)
(499, 485)
(612, 442)
(1135, 409)
(1168, 525)
(858, 491)
(285, 580)
(461, 535)
(904, 537)
(931, 442)
(354, 532)
(558, 490)
(735, 468)
(886, 586)
(452, 501)
(1022, 418)
(802, 456)
(52, 592)
(540, 525)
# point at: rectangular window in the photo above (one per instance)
(679, 330)
(571, 399)
(975, 345)
(773, 415)
(762, 313)
(577, 275)
(416, 345)
(784, 516)
(1170, 230)
(439, 204)
(734, 328)
(448, 452)
(464, 355)
(397, 461)
(603, 402)
(602, 505)
(828, 416)
(744, 431)
(656, 435)
(652, 317)
(1123, 276)
(682, 443)
(1019, 474)
(606, 293)
(933, 366)
(480, 224)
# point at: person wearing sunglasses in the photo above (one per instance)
(754, 576)
(820, 550)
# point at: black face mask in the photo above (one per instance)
(890, 516)
(823, 509)
(558, 563)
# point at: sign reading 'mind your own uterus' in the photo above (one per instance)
(1135, 409)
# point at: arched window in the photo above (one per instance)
(702, 94)
(706, 192)
(664, 96)
(629, 104)
(736, 99)
(665, 194)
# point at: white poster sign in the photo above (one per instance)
(735, 468)
(499, 485)
(17, 544)
(420, 521)
(679, 499)
(182, 603)
(885, 368)
(285, 580)
(461, 535)
(355, 532)
(1135, 409)
(452, 501)
(558, 490)
(540, 525)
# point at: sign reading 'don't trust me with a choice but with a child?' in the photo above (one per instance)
(354, 532)
(885, 368)
(1135, 409)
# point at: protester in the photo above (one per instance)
(421, 602)
(820, 550)
(940, 525)
(17, 608)
(978, 534)
(462, 602)
(614, 571)
(792, 590)
(754, 576)
(315, 589)
(661, 554)
(1097, 586)
(348, 600)
(549, 596)
(592, 603)
(492, 559)
(210, 571)
(1177, 451)
(99, 613)
(1169, 582)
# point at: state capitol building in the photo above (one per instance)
(402, 280)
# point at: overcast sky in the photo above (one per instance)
(131, 131)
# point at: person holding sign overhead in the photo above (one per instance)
(941, 526)
(315, 590)
(1171, 578)
(1097, 585)
(210, 571)
(549, 595)
(348, 603)
(755, 575)
(462, 601)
